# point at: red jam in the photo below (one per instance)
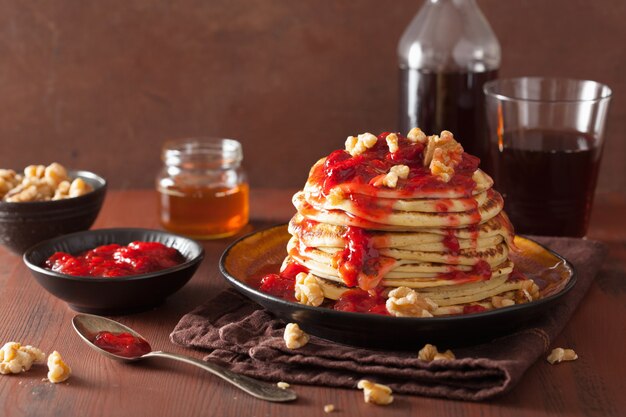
(360, 301)
(516, 276)
(122, 344)
(451, 242)
(358, 257)
(481, 271)
(340, 168)
(356, 176)
(473, 309)
(282, 285)
(116, 261)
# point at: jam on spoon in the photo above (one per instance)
(122, 344)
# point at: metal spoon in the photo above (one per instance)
(88, 326)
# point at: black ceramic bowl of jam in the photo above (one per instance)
(23, 224)
(90, 252)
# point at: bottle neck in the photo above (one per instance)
(449, 36)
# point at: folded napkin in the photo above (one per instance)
(247, 339)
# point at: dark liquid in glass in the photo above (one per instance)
(548, 179)
(451, 101)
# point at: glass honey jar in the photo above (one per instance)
(203, 190)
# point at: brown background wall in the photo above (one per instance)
(100, 84)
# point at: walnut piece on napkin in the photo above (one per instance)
(430, 353)
(294, 337)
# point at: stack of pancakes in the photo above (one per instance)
(448, 243)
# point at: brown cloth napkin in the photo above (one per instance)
(247, 339)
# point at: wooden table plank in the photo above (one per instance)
(591, 386)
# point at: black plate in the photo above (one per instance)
(263, 251)
(119, 295)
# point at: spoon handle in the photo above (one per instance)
(254, 387)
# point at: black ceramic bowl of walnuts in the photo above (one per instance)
(72, 205)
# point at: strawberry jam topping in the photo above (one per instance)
(476, 308)
(359, 264)
(516, 276)
(282, 285)
(481, 271)
(340, 168)
(122, 344)
(359, 301)
(116, 261)
(451, 242)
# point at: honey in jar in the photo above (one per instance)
(203, 191)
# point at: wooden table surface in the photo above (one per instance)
(592, 386)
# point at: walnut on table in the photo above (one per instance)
(58, 370)
(15, 358)
(374, 393)
(559, 355)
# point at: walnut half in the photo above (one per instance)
(390, 179)
(294, 337)
(308, 290)
(375, 393)
(405, 302)
(58, 370)
(359, 144)
(442, 155)
(559, 355)
(430, 353)
(15, 358)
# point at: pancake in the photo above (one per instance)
(494, 255)
(316, 234)
(411, 205)
(391, 216)
(327, 212)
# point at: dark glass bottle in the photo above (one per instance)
(446, 54)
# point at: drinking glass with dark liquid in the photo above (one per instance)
(546, 137)
(446, 55)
